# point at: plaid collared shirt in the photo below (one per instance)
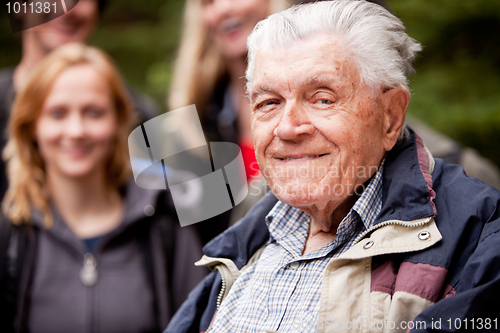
(281, 291)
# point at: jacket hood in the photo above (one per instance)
(407, 183)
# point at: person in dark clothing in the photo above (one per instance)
(209, 72)
(100, 253)
(76, 25)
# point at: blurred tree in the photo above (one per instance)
(142, 37)
(456, 86)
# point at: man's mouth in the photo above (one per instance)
(292, 158)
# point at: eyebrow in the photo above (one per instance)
(320, 79)
(260, 91)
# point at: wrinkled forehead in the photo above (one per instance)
(322, 59)
(311, 43)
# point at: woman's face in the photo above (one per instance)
(77, 125)
(229, 22)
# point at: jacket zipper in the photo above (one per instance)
(88, 273)
(221, 293)
(222, 289)
(89, 276)
(394, 222)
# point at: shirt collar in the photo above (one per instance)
(284, 219)
(369, 204)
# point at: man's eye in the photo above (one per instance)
(323, 98)
(264, 104)
(325, 101)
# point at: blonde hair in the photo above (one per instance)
(25, 166)
(199, 64)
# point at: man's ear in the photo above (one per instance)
(395, 102)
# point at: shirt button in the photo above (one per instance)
(294, 265)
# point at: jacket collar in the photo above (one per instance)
(239, 242)
(407, 192)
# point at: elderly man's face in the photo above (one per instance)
(319, 133)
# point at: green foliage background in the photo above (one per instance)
(455, 89)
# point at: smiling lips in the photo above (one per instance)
(230, 25)
(76, 151)
(300, 157)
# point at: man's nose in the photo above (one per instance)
(294, 122)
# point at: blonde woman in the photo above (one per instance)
(209, 72)
(98, 253)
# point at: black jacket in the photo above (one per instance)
(145, 271)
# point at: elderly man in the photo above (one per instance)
(364, 230)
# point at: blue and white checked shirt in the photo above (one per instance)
(281, 291)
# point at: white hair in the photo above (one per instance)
(373, 38)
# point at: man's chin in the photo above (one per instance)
(298, 195)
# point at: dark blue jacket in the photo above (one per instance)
(465, 261)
